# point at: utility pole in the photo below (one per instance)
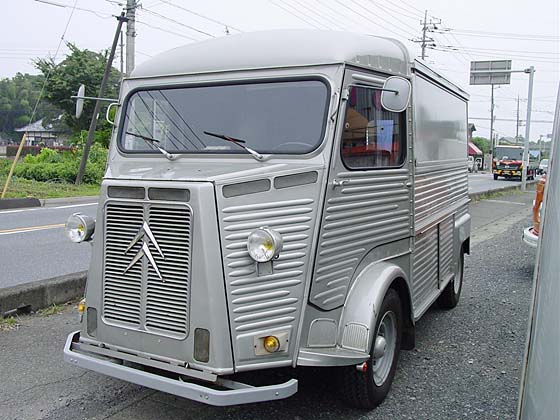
(424, 29)
(122, 54)
(517, 125)
(492, 145)
(531, 71)
(130, 34)
(93, 124)
(427, 26)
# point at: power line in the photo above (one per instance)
(199, 15)
(408, 33)
(316, 13)
(293, 14)
(307, 16)
(65, 6)
(165, 30)
(360, 15)
(178, 23)
(388, 11)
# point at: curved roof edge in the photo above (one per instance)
(279, 48)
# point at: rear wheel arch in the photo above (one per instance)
(408, 337)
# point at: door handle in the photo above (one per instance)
(337, 183)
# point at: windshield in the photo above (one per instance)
(275, 117)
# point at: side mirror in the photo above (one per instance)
(80, 100)
(395, 94)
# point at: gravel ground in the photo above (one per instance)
(467, 362)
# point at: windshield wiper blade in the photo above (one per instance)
(238, 142)
(154, 142)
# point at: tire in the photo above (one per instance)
(449, 298)
(495, 177)
(368, 389)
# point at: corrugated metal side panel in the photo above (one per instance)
(461, 211)
(425, 266)
(446, 248)
(370, 208)
(258, 302)
(439, 185)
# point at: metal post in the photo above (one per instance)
(517, 126)
(531, 71)
(492, 145)
(424, 35)
(130, 35)
(93, 123)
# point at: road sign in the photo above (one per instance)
(497, 72)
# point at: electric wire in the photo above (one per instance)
(200, 15)
(178, 23)
(361, 16)
(293, 14)
(408, 33)
(316, 12)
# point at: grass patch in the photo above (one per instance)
(51, 310)
(8, 324)
(21, 188)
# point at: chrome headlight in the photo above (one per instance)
(79, 227)
(264, 244)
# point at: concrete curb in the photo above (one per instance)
(481, 194)
(17, 203)
(42, 293)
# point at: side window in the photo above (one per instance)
(372, 137)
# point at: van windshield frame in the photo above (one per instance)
(278, 116)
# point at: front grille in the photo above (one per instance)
(136, 294)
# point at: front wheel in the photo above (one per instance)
(368, 388)
(495, 177)
(449, 298)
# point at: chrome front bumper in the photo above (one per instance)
(530, 238)
(239, 394)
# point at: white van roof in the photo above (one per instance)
(280, 48)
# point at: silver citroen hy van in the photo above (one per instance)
(274, 199)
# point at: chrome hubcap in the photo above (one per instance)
(384, 348)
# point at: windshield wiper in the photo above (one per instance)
(238, 142)
(153, 142)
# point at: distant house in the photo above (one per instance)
(470, 129)
(38, 135)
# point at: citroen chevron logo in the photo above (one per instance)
(145, 250)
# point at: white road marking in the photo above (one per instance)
(49, 208)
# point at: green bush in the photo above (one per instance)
(51, 165)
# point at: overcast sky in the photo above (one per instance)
(527, 32)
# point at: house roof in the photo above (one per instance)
(473, 149)
(36, 126)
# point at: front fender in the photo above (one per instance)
(363, 302)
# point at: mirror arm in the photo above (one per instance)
(396, 92)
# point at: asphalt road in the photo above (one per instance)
(467, 362)
(33, 245)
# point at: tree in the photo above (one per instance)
(18, 96)
(482, 143)
(80, 66)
